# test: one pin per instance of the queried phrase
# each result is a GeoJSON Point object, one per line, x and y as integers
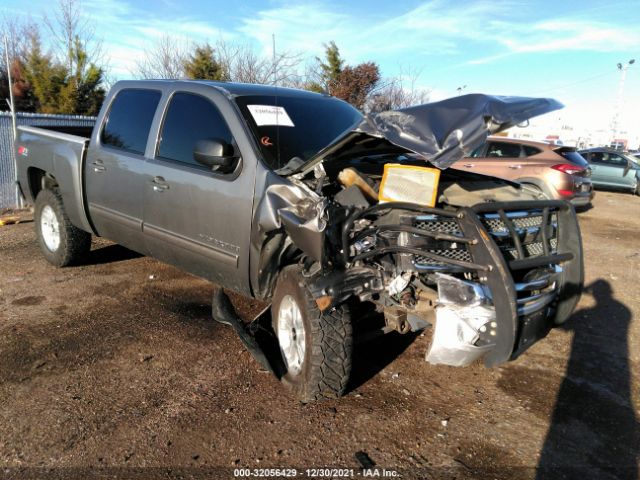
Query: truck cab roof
{"type": "Point", "coordinates": [230, 88]}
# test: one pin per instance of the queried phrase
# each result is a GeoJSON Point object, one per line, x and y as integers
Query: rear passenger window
{"type": "Point", "coordinates": [508, 150]}
{"type": "Point", "coordinates": [129, 120]}
{"type": "Point", "coordinates": [530, 151]}
{"type": "Point", "coordinates": [189, 119]}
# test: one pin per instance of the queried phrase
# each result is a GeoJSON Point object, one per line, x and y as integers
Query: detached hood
{"type": "Point", "coordinates": [441, 132]}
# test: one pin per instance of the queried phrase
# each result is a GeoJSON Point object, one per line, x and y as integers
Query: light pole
{"type": "Point", "coordinates": [460, 89]}
{"type": "Point", "coordinates": [616, 116]}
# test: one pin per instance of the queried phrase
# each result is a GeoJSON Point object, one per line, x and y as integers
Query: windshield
{"type": "Point", "coordinates": [288, 127]}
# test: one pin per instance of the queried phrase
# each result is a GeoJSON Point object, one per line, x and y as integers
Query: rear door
{"type": "Point", "coordinates": [195, 218]}
{"type": "Point", "coordinates": [115, 170]}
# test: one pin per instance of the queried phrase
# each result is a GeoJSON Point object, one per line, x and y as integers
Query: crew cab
{"type": "Point", "coordinates": [297, 199]}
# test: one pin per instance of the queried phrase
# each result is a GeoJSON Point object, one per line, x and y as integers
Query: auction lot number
{"type": "Point", "coordinates": [313, 473]}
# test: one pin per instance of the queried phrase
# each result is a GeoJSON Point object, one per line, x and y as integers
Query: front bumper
{"type": "Point", "coordinates": [522, 322]}
{"type": "Point", "coordinates": [526, 256]}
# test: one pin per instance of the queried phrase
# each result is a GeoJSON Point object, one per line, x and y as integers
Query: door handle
{"type": "Point", "coordinates": [515, 166]}
{"type": "Point", "coordinates": [469, 165]}
{"type": "Point", "coordinates": [98, 166]}
{"type": "Point", "coordinates": [159, 184]}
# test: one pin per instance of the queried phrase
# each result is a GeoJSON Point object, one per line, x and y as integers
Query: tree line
{"type": "Point", "coordinates": [68, 75]}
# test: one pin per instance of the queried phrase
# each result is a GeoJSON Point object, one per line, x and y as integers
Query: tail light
{"type": "Point", "coordinates": [568, 168]}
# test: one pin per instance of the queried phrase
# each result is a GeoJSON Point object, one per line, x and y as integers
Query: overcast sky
{"type": "Point", "coordinates": [566, 49]}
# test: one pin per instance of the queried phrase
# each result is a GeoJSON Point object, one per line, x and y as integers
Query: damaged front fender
{"type": "Point", "coordinates": [289, 217]}
{"type": "Point", "coordinates": [300, 211]}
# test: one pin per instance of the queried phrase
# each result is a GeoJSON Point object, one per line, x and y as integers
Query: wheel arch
{"type": "Point", "coordinates": [39, 179]}
{"type": "Point", "coordinates": [539, 183]}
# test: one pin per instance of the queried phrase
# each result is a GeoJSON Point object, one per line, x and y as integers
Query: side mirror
{"type": "Point", "coordinates": [216, 154]}
{"type": "Point", "coordinates": [627, 168]}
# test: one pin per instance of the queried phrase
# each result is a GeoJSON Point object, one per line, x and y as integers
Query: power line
{"type": "Point", "coordinates": [584, 80]}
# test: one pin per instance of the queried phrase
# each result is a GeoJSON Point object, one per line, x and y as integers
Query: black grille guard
{"type": "Point", "coordinates": [488, 260]}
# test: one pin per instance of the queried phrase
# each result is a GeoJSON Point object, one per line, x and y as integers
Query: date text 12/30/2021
{"type": "Point", "coordinates": [315, 473]}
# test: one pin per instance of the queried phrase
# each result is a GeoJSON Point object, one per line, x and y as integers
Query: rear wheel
{"type": "Point", "coordinates": [536, 190]}
{"type": "Point", "coordinates": [60, 241]}
{"type": "Point", "coordinates": [316, 347]}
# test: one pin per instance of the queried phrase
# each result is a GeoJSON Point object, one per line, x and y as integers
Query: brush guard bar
{"type": "Point", "coordinates": [490, 262]}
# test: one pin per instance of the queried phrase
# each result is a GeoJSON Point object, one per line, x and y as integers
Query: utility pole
{"type": "Point", "coordinates": [616, 116]}
{"type": "Point", "coordinates": [12, 107]}
{"type": "Point", "coordinates": [11, 102]}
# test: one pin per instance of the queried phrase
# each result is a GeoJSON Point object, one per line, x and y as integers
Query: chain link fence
{"type": "Point", "coordinates": [8, 192]}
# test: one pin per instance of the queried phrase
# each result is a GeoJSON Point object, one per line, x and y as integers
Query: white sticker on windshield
{"type": "Point", "coordinates": [270, 115]}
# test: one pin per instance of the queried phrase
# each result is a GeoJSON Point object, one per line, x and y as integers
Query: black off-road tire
{"type": "Point", "coordinates": [74, 243]}
{"type": "Point", "coordinates": [326, 367]}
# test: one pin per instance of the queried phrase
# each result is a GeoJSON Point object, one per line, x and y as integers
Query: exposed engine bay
{"type": "Point", "coordinates": [485, 262]}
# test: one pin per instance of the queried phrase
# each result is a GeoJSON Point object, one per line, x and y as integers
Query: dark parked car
{"type": "Point", "coordinates": [297, 199]}
{"type": "Point", "coordinates": [613, 169]}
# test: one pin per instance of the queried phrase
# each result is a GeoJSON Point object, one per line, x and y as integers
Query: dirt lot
{"type": "Point", "coordinates": [114, 368]}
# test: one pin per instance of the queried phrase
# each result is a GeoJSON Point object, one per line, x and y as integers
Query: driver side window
{"type": "Point", "coordinates": [189, 119]}
{"type": "Point", "coordinates": [617, 161]}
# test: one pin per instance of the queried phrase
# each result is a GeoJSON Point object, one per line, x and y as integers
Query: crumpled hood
{"type": "Point", "coordinates": [441, 132]}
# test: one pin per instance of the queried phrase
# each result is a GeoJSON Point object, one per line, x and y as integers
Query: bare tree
{"type": "Point", "coordinates": [307, 78]}
{"type": "Point", "coordinates": [245, 65]}
{"type": "Point", "coordinates": [70, 31]}
{"type": "Point", "coordinates": [18, 33]}
{"type": "Point", "coordinates": [398, 92]}
{"type": "Point", "coordinates": [165, 58]}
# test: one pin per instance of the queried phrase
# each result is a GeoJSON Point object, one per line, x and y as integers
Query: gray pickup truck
{"type": "Point", "coordinates": [340, 221]}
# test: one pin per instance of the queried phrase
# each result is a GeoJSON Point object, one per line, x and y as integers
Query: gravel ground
{"type": "Point", "coordinates": [114, 368]}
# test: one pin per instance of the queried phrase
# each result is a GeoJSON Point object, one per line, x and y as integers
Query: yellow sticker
{"type": "Point", "coordinates": [406, 183]}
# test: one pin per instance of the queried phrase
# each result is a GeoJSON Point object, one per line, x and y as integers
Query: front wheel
{"type": "Point", "coordinates": [316, 347]}
{"type": "Point", "coordinates": [61, 242]}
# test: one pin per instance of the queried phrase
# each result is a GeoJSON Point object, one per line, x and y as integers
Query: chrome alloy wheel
{"type": "Point", "coordinates": [291, 334]}
{"type": "Point", "coordinates": [50, 228]}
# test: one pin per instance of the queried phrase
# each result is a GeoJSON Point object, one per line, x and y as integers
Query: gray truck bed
{"type": "Point", "coordinates": [61, 155]}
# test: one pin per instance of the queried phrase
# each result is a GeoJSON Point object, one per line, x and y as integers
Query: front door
{"type": "Point", "coordinates": [196, 218]}
{"type": "Point", "coordinates": [608, 168]}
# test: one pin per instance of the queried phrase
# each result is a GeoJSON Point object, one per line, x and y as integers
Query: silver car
{"type": "Point", "coordinates": [613, 169]}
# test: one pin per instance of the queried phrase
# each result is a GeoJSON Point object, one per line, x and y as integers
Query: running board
{"type": "Point", "coordinates": [258, 336]}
